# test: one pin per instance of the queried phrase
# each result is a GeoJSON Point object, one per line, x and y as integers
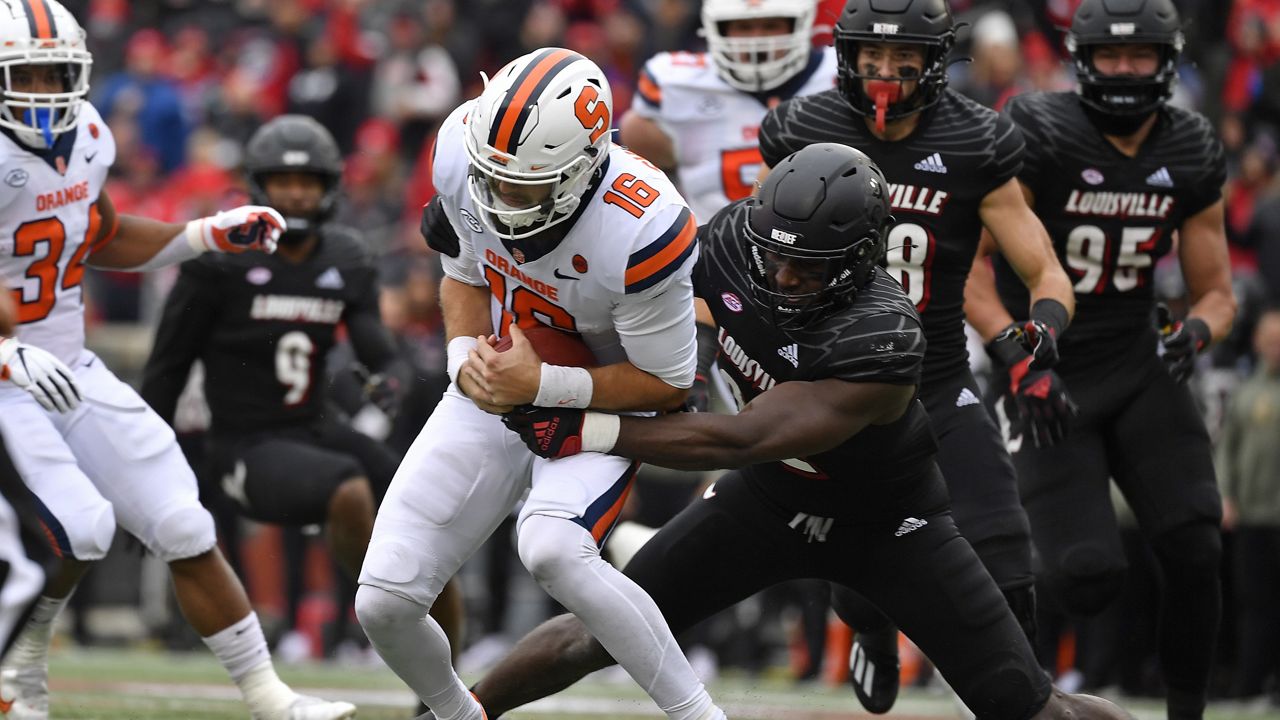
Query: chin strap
{"type": "Point", "coordinates": [885, 92]}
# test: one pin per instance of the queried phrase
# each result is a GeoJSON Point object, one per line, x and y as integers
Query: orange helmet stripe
{"type": "Point", "coordinates": [39, 19]}
{"type": "Point", "coordinates": [526, 87]}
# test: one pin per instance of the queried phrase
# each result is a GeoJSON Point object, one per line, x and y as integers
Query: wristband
{"type": "Point", "coordinates": [1052, 314]}
{"type": "Point", "coordinates": [600, 432]}
{"type": "Point", "coordinates": [457, 352]}
{"type": "Point", "coordinates": [1006, 348]}
{"type": "Point", "coordinates": [564, 387]}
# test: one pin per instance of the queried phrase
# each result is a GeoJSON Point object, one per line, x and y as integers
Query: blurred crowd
{"type": "Point", "coordinates": [183, 84]}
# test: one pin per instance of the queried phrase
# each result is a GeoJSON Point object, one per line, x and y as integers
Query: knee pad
{"type": "Point", "coordinates": [183, 533]}
{"type": "Point", "coordinates": [1087, 578]}
{"type": "Point", "coordinates": [1190, 553]}
{"type": "Point", "coordinates": [551, 547]}
{"type": "Point", "coordinates": [382, 612]}
{"type": "Point", "coordinates": [94, 541]}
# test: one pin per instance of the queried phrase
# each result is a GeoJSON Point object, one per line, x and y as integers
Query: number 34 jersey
{"type": "Point", "coordinates": [619, 275]}
{"type": "Point", "coordinates": [1111, 217]}
{"type": "Point", "coordinates": [48, 219]}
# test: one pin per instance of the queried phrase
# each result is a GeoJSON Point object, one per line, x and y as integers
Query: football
{"type": "Point", "coordinates": [556, 347]}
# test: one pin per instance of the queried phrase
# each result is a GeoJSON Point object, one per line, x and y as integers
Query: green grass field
{"type": "Point", "coordinates": [142, 685]}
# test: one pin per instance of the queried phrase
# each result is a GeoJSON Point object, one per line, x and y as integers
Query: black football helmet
{"type": "Point", "coordinates": [827, 203]}
{"type": "Point", "coordinates": [295, 143]}
{"type": "Point", "coordinates": [924, 22]}
{"type": "Point", "coordinates": [1122, 102]}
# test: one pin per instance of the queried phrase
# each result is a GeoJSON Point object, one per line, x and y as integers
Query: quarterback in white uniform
{"type": "Point", "coordinates": [541, 220]}
{"type": "Point", "coordinates": [91, 451]}
{"type": "Point", "coordinates": [698, 114]}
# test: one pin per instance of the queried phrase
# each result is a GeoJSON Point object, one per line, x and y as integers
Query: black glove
{"type": "Point", "coordinates": [1181, 341]}
{"type": "Point", "coordinates": [384, 392]}
{"type": "Point", "coordinates": [437, 229]}
{"type": "Point", "coordinates": [548, 432]}
{"type": "Point", "coordinates": [1040, 333]}
{"type": "Point", "coordinates": [1043, 404]}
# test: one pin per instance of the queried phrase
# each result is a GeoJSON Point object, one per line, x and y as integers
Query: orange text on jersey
{"type": "Point", "coordinates": [65, 196]}
{"type": "Point", "coordinates": [506, 267]}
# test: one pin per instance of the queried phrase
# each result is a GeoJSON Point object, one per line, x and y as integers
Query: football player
{"type": "Point", "coordinates": [698, 114]}
{"type": "Point", "coordinates": [837, 477]}
{"type": "Point", "coordinates": [539, 219]}
{"type": "Point", "coordinates": [91, 451]}
{"type": "Point", "coordinates": [262, 325]}
{"type": "Point", "coordinates": [1116, 174]}
{"type": "Point", "coordinates": [951, 163]}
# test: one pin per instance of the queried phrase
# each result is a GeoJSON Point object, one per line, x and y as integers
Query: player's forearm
{"type": "Point", "coordinates": [137, 241]}
{"type": "Point", "coordinates": [982, 306]}
{"type": "Point", "coordinates": [624, 387]}
{"type": "Point", "coordinates": [465, 309]}
{"type": "Point", "coordinates": [1217, 308]}
{"type": "Point", "coordinates": [688, 441]}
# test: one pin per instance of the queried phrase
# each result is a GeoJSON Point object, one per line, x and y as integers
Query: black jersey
{"type": "Point", "coordinates": [1111, 217]}
{"type": "Point", "coordinates": [938, 176]}
{"type": "Point", "coordinates": [877, 340]}
{"type": "Point", "coordinates": [263, 326]}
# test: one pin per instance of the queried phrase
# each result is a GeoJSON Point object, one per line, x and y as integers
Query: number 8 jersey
{"type": "Point", "coordinates": [619, 274]}
{"type": "Point", "coordinates": [48, 221]}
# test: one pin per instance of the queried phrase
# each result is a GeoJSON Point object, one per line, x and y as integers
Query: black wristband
{"type": "Point", "coordinates": [1052, 313]}
{"type": "Point", "coordinates": [708, 349]}
{"type": "Point", "coordinates": [1007, 348]}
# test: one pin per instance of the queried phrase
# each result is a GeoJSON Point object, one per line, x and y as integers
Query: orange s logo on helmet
{"type": "Point", "coordinates": [593, 114]}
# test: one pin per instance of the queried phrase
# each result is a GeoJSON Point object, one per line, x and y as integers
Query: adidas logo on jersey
{"type": "Point", "coordinates": [910, 525]}
{"type": "Point", "coordinates": [790, 353]}
{"type": "Point", "coordinates": [330, 279]}
{"type": "Point", "coordinates": [966, 398]}
{"type": "Point", "coordinates": [933, 163]}
{"type": "Point", "coordinates": [1160, 178]}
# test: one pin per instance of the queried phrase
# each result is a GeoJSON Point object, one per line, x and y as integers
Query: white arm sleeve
{"type": "Point", "coordinates": [657, 329]}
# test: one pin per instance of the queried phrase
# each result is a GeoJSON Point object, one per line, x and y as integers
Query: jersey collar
{"type": "Point", "coordinates": [61, 149]}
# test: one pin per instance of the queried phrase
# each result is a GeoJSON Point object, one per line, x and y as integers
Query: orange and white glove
{"type": "Point", "coordinates": [38, 372]}
{"type": "Point", "coordinates": [248, 227]}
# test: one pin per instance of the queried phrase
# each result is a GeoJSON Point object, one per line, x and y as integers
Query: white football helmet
{"type": "Point", "coordinates": [41, 32]}
{"type": "Point", "coordinates": [544, 119]}
{"type": "Point", "coordinates": [756, 64]}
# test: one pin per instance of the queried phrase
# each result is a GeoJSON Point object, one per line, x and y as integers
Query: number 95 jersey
{"type": "Point", "coordinates": [619, 275]}
{"type": "Point", "coordinates": [48, 220]}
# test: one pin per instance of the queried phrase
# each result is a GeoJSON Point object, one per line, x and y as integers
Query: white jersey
{"type": "Point", "coordinates": [713, 125]}
{"type": "Point", "coordinates": [48, 219]}
{"type": "Point", "coordinates": [620, 276]}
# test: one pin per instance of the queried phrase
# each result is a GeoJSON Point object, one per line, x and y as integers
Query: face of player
{"type": "Point", "coordinates": [294, 194]}
{"type": "Point", "coordinates": [891, 61]}
{"type": "Point", "coordinates": [41, 79]}
{"type": "Point", "coordinates": [795, 277]}
{"type": "Point", "coordinates": [759, 28]}
{"type": "Point", "coordinates": [1138, 60]}
{"type": "Point", "coordinates": [518, 196]}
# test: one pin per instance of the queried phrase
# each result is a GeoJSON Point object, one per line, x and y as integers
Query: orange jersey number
{"type": "Point", "coordinates": [631, 194]}
{"type": "Point", "coordinates": [49, 235]}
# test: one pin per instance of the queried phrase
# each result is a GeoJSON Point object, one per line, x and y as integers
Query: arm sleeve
{"type": "Point", "coordinates": [185, 323]}
{"type": "Point", "coordinates": [1032, 141]}
{"type": "Point", "coordinates": [464, 268]}
{"type": "Point", "coordinates": [884, 348]}
{"type": "Point", "coordinates": [773, 146]}
{"type": "Point", "coordinates": [657, 330]}
{"type": "Point", "coordinates": [647, 102]}
{"type": "Point", "coordinates": [1008, 153]}
{"type": "Point", "coordinates": [369, 337]}
{"type": "Point", "coordinates": [1207, 189]}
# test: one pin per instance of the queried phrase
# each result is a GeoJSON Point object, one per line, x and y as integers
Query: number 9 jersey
{"type": "Point", "coordinates": [619, 275]}
{"type": "Point", "coordinates": [49, 220]}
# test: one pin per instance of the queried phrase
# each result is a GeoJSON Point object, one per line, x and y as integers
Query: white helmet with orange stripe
{"type": "Point", "coordinates": [759, 57]}
{"type": "Point", "coordinates": [35, 33]}
{"type": "Point", "coordinates": [535, 137]}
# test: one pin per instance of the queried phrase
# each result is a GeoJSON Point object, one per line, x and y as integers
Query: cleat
{"type": "Point", "coordinates": [873, 669]}
{"type": "Point", "coordinates": [305, 707]}
{"type": "Point", "coordinates": [24, 693]}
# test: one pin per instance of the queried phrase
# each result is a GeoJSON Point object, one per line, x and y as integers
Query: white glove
{"type": "Point", "coordinates": [49, 381]}
{"type": "Point", "coordinates": [248, 227]}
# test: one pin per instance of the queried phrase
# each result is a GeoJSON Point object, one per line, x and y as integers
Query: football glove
{"type": "Point", "coordinates": [384, 392]}
{"type": "Point", "coordinates": [1041, 396]}
{"type": "Point", "coordinates": [437, 229]}
{"type": "Point", "coordinates": [548, 432]}
{"type": "Point", "coordinates": [248, 227]}
{"type": "Point", "coordinates": [37, 371]}
{"type": "Point", "coordinates": [1040, 333]}
{"type": "Point", "coordinates": [1180, 342]}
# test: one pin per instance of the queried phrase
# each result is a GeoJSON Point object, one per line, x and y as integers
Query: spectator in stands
{"type": "Point", "coordinates": [141, 91]}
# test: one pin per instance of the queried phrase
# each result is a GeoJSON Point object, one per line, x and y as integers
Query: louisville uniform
{"type": "Point", "coordinates": [112, 450]}
{"type": "Point", "coordinates": [620, 277]}
{"type": "Point", "coordinates": [938, 176]}
{"type": "Point", "coordinates": [262, 326]}
{"type": "Point", "coordinates": [713, 126]}
{"type": "Point", "coordinates": [870, 514]}
{"type": "Point", "coordinates": [1111, 218]}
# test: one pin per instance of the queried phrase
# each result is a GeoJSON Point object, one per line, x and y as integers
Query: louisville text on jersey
{"type": "Point", "coordinates": [749, 368]}
{"type": "Point", "coordinates": [911, 198]}
{"type": "Point", "coordinates": [1119, 204]}
{"type": "Point", "coordinates": [296, 308]}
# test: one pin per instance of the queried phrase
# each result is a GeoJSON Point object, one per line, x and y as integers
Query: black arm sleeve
{"type": "Point", "coordinates": [437, 229]}
{"type": "Point", "coordinates": [189, 314]}
{"type": "Point", "coordinates": [369, 337]}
